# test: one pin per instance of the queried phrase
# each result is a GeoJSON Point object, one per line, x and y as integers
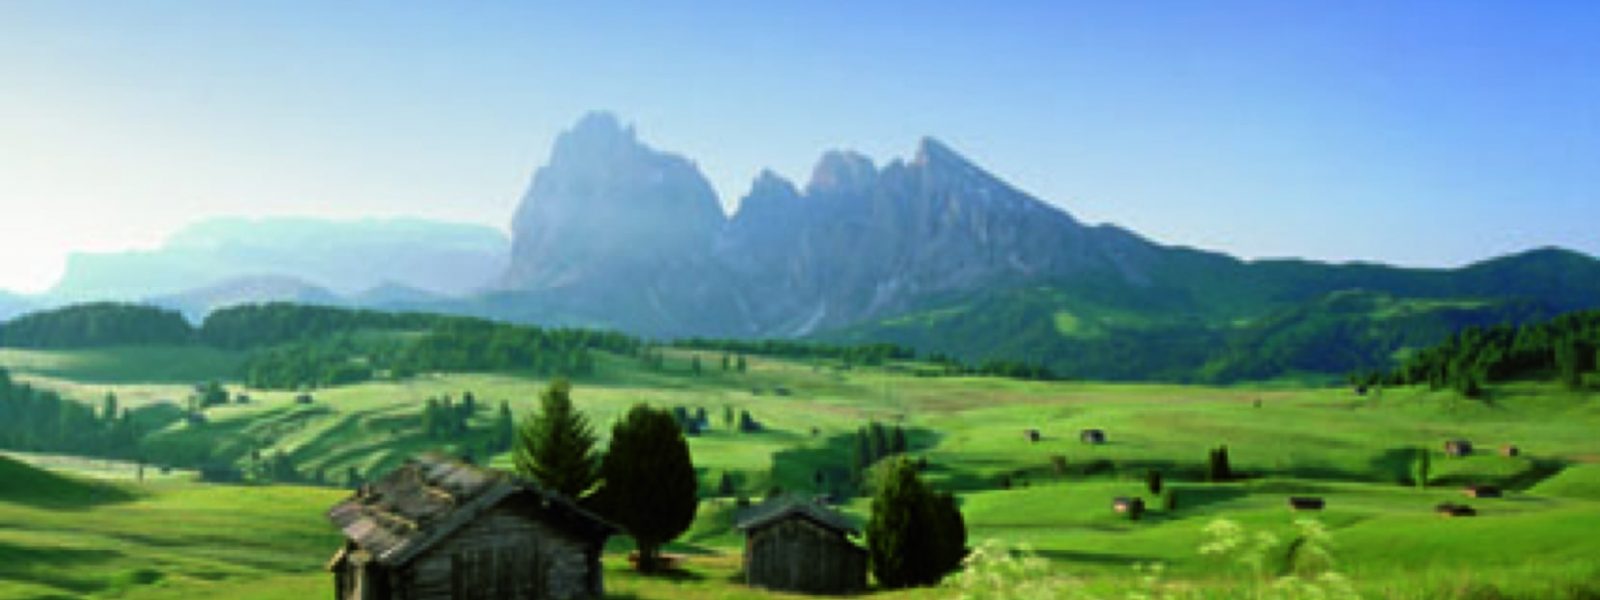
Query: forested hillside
{"type": "Point", "coordinates": [95, 325]}
{"type": "Point", "coordinates": [1566, 348]}
{"type": "Point", "coordinates": [41, 420]}
{"type": "Point", "coordinates": [293, 346]}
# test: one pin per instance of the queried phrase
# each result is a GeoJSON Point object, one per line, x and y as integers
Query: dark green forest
{"type": "Point", "coordinates": [1566, 348]}
{"type": "Point", "coordinates": [96, 325]}
{"type": "Point", "coordinates": [361, 345]}
{"type": "Point", "coordinates": [291, 346]}
{"type": "Point", "coordinates": [295, 346]}
{"type": "Point", "coordinates": [42, 421]}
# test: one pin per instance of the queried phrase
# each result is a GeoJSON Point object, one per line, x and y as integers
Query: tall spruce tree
{"type": "Point", "coordinates": [505, 428]}
{"type": "Point", "coordinates": [556, 446]}
{"type": "Point", "coordinates": [897, 441]}
{"type": "Point", "coordinates": [1420, 468]}
{"type": "Point", "coordinates": [650, 487]}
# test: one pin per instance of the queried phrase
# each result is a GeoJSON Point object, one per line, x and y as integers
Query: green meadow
{"type": "Point", "coordinates": [73, 528]}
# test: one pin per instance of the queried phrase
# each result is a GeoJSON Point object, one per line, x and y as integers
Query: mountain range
{"type": "Point", "coordinates": [937, 253]}
{"type": "Point", "coordinates": [231, 260]}
{"type": "Point", "coordinates": [931, 251]}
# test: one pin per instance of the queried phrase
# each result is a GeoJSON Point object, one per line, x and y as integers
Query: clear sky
{"type": "Point", "coordinates": [1420, 133]}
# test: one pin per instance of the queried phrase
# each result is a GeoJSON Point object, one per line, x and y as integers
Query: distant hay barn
{"type": "Point", "coordinates": [1482, 491]}
{"type": "Point", "coordinates": [1458, 448]}
{"type": "Point", "coordinates": [797, 546]}
{"type": "Point", "coordinates": [441, 528]}
{"type": "Point", "coordinates": [1450, 509]}
{"type": "Point", "coordinates": [1510, 451]}
{"type": "Point", "coordinates": [1306, 503]}
{"type": "Point", "coordinates": [1133, 507]}
{"type": "Point", "coordinates": [1031, 435]}
{"type": "Point", "coordinates": [1092, 436]}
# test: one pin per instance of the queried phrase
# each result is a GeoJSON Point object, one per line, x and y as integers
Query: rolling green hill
{"type": "Point", "coordinates": [1147, 339]}
{"type": "Point", "coordinates": [1353, 450]}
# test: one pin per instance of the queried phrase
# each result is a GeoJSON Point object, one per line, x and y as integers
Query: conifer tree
{"type": "Point", "coordinates": [556, 446]}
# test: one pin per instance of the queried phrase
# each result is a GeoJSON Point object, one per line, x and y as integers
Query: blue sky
{"type": "Point", "coordinates": [1420, 133]}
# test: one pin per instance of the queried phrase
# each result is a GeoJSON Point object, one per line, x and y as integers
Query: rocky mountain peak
{"type": "Point", "coordinates": [769, 183]}
{"type": "Point", "coordinates": [931, 151]}
{"type": "Point", "coordinates": [608, 204]}
{"type": "Point", "coordinates": [842, 171]}
{"type": "Point", "coordinates": [596, 135]}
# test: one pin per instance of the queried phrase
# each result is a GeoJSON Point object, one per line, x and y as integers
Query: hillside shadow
{"type": "Point", "coordinates": [795, 468]}
{"type": "Point", "coordinates": [40, 488]}
{"type": "Point", "coordinates": [1098, 558]}
{"type": "Point", "coordinates": [1537, 473]}
{"type": "Point", "coordinates": [1397, 461]}
{"type": "Point", "coordinates": [52, 566]}
{"type": "Point", "coordinates": [1193, 497]}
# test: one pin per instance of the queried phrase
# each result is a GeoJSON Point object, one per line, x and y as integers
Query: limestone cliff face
{"type": "Point", "coordinates": [635, 238]}
{"type": "Point", "coordinates": [608, 205]}
{"type": "Point", "coordinates": [864, 242]}
{"type": "Point", "coordinates": [614, 233]}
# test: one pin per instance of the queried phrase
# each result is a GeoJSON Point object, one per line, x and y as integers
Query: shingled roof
{"type": "Point", "coordinates": [777, 510]}
{"type": "Point", "coordinates": [429, 497]}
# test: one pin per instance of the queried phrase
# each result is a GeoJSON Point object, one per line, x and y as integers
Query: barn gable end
{"type": "Point", "coordinates": [798, 546]}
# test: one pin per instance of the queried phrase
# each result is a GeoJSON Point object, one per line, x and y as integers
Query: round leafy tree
{"type": "Point", "coordinates": [914, 536]}
{"type": "Point", "coordinates": [649, 485]}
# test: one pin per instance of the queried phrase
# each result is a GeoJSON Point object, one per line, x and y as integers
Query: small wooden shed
{"type": "Point", "coordinates": [1457, 448]}
{"type": "Point", "coordinates": [1510, 451]}
{"type": "Point", "coordinates": [1450, 509]}
{"type": "Point", "coordinates": [799, 546]}
{"type": "Point", "coordinates": [1306, 503]}
{"type": "Point", "coordinates": [1481, 491]}
{"type": "Point", "coordinates": [440, 528]}
{"type": "Point", "coordinates": [1031, 435]}
{"type": "Point", "coordinates": [1092, 436]}
{"type": "Point", "coordinates": [1133, 507]}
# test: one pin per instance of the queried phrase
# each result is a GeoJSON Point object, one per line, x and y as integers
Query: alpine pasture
{"type": "Point", "coordinates": [87, 528]}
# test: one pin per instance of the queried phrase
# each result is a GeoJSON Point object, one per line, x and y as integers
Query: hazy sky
{"type": "Point", "coordinates": [1430, 133]}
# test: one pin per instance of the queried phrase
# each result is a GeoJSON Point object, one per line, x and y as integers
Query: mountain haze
{"type": "Point", "coordinates": [344, 257]}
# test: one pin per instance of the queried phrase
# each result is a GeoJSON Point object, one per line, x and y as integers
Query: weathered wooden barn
{"type": "Point", "coordinates": [1458, 448]}
{"type": "Point", "coordinates": [1092, 436]}
{"type": "Point", "coordinates": [1481, 491]}
{"type": "Point", "coordinates": [798, 546]}
{"type": "Point", "coordinates": [441, 528]}
{"type": "Point", "coordinates": [1510, 451]}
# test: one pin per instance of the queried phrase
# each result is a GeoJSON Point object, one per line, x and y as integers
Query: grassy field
{"type": "Point", "coordinates": [172, 538]}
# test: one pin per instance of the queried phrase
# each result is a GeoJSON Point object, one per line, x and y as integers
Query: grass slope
{"type": "Point", "coordinates": [171, 539]}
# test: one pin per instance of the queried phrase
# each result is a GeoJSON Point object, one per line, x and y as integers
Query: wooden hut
{"type": "Point", "coordinates": [1306, 503]}
{"type": "Point", "coordinates": [1510, 451]}
{"type": "Point", "coordinates": [1031, 435]}
{"type": "Point", "coordinates": [438, 527]}
{"type": "Point", "coordinates": [1092, 436]}
{"type": "Point", "coordinates": [798, 546]}
{"type": "Point", "coordinates": [1133, 507]}
{"type": "Point", "coordinates": [1451, 509]}
{"type": "Point", "coordinates": [1481, 491]}
{"type": "Point", "coordinates": [1457, 448]}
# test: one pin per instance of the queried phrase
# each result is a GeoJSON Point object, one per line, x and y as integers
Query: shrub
{"type": "Point", "coordinates": [914, 536]}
